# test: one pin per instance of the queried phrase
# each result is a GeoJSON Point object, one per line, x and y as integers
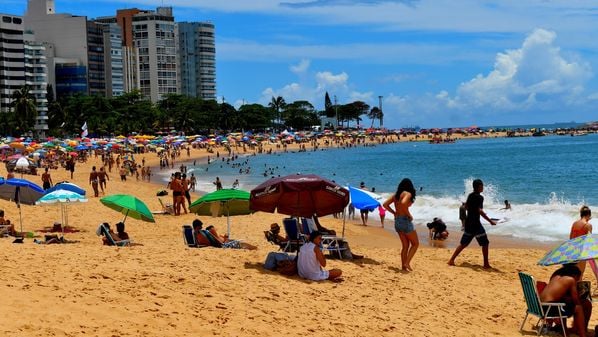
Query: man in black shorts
{"type": "Point", "coordinates": [473, 226]}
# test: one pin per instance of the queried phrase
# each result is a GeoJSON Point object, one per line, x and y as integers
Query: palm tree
{"type": "Point", "coordinates": [278, 104]}
{"type": "Point", "coordinates": [24, 108]}
{"type": "Point", "coordinates": [374, 114]}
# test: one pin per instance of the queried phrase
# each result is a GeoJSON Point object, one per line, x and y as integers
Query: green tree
{"type": "Point", "coordinates": [24, 109]}
{"type": "Point", "coordinates": [375, 114]}
{"type": "Point", "coordinates": [328, 107]}
{"type": "Point", "coordinates": [255, 116]}
{"type": "Point", "coordinates": [300, 115]}
{"type": "Point", "coordinates": [277, 104]}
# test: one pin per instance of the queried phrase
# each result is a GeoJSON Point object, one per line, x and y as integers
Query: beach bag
{"type": "Point", "coordinates": [287, 267]}
{"type": "Point", "coordinates": [162, 193]}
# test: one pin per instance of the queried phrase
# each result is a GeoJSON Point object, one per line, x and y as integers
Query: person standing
{"type": "Point", "coordinates": [192, 182]}
{"type": "Point", "coordinates": [583, 227]}
{"type": "Point", "coordinates": [402, 200]}
{"type": "Point", "coordinates": [102, 177]}
{"type": "Point", "coordinates": [218, 184]}
{"type": "Point", "coordinates": [46, 179]}
{"type": "Point", "coordinates": [364, 212]}
{"type": "Point", "coordinates": [462, 215]}
{"type": "Point", "coordinates": [473, 226]}
{"type": "Point", "coordinates": [93, 180]}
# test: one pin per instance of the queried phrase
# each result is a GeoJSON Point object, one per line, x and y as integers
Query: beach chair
{"type": "Point", "coordinates": [166, 209]}
{"type": "Point", "coordinates": [295, 239]}
{"type": "Point", "coordinates": [111, 242]}
{"type": "Point", "coordinates": [330, 243]}
{"type": "Point", "coordinates": [189, 237]}
{"type": "Point", "coordinates": [536, 307]}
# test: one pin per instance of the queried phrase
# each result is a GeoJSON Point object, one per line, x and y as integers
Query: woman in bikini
{"type": "Point", "coordinates": [402, 200]}
{"type": "Point", "coordinates": [583, 227]}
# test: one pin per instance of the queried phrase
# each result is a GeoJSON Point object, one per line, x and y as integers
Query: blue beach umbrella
{"type": "Point", "coordinates": [362, 199]}
{"type": "Point", "coordinates": [66, 186]}
{"type": "Point", "coordinates": [581, 248]}
{"type": "Point", "coordinates": [62, 198]}
{"type": "Point", "coordinates": [20, 191]}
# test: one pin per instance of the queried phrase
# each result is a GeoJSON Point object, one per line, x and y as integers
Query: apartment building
{"type": "Point", "coordinates": [12, 56]}
{"type": "Point", "coordinates": [197, 59]}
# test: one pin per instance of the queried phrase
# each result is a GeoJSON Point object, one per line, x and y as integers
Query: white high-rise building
{"type": "Point", "coordinates": [154, 36]}
{"type": "Point", "coordinates": [36, 77]}
{"type": "Point", "coordinates": [12, 57]}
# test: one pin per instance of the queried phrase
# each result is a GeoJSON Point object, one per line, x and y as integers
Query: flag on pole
{"type": "Point", "coordinates": [84, 128]}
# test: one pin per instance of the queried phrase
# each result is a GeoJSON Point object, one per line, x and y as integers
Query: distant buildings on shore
{"type": "Point", "coordinates": [136, 49]}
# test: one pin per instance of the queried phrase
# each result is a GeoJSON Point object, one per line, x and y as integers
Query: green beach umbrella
{"type": "Point", "coordinates": [223, 202]}
{"type": "Point", "coordinates": [129, 206]}
{"type": "Point", "coordinates": [581, 248]}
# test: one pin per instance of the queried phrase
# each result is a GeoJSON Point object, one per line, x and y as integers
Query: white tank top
{"type": "Point", "coordinates": [308, 265]}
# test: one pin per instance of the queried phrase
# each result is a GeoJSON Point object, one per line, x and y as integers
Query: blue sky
{"type": "Point", "coordinates": [436, 63]}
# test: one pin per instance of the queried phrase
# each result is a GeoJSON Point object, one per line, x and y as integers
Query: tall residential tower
{"type": "Point", "coordinates": [197, 59]}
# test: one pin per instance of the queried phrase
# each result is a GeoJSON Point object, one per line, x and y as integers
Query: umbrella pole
{"type": "Point", "coordinates": [126, 216]}
{"type": "Point", "coordinates": [344, 219]}
{"type": "Point", "coordinates": [227, 221]}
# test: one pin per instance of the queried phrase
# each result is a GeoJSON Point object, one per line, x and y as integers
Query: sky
{"type": "Point", "coordinates": [440, 63]}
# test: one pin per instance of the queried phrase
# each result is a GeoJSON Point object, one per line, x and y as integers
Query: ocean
{"type": "Point", "coordinates": [546, 179]}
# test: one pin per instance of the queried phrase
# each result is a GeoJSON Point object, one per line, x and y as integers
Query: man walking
{"type": "Point", "coordinates": [473, 226]}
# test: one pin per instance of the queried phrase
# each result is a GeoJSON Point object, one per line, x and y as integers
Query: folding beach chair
{"type": "Point", "coordinates": [296, 240]}
{"type": "Point", "coordinates": [111, 242]}
{"type": "Point", "coordinates": [189, 237]}
{"type": "Point", "coordinates": [537, 308]}
{"type": "Point", "coordinates": [166, 209]}
{"type": "Point", "coordinates": [331, 243]}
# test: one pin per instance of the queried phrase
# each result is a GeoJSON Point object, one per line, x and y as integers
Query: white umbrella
{"type": "Point", "coordinates": [23, 164]}
{"type": "Point", "coordinates": [62, 198]}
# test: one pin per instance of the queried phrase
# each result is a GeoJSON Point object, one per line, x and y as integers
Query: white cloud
{"type": "Point", "coordinates": [314, 88]}
{"type": "Point", "coordinates": [533, 77]}
{"type": "Point", "coordinates": [301, 67]}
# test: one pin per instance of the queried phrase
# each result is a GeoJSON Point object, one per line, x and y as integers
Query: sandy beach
{"type": "Point", "coordinates": [163, 288]}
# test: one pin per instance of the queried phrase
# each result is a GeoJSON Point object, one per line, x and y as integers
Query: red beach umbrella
{"type": "Point", "coordinates": [299, 195]}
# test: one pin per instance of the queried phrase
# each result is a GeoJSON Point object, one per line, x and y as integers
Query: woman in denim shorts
{"type": "Point", "coordinates": [402, 200]}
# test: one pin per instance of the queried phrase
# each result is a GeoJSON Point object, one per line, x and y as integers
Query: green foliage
{"type": "Point", "coordinates": [24, 110]}
{"type": "Point", "coordinates": [132, 113]}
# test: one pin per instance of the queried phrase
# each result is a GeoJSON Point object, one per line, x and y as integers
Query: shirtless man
{"type": "Point", "coordinates": [103, 176]}
{"type": "Point", "coordinates": [93, 180]}
{"type": "Point", "coordinates": [562, 287]}
{"type": "Point", "coordinates": [46, 179]}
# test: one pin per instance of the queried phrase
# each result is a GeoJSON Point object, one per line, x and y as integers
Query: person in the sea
{"type": "Point", "coordinates": [473, 225]}
{"type": "Point", "coordinates": [582, 227]}
{"type": "Point", "coordinates": [562, 288]}
{"type": "Point", "coordinates": [507, 205]}
{"type": "Point", "coordinates": [311, 261]}
{"type": "Point", "coordinates": [402, 200]}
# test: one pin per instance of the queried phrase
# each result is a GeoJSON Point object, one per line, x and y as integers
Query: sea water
{"type": "Point", "coordinates": [546, 179]}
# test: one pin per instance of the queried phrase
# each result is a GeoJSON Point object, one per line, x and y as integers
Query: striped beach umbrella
{"type": "Point", "coordinates": [581, 248]}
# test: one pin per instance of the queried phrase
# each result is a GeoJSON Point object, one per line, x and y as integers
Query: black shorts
{"type": "Point", "coordinates": [177, 193]}
{"type": "Point", "coordinates": [479, 235]}
{"type": "Point", "coordinates": [566, 311]}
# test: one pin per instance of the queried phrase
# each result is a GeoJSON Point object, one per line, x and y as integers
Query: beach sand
{"type": "Point", "coordinates": [163, 288]}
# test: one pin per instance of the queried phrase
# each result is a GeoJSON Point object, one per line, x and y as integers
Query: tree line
{"type": "Point", "coordinates": [130, 112]}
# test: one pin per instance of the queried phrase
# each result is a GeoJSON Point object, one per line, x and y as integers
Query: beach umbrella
{"type": "Point", "coordinates": [129, 206]}
{"type": "Point", "coordinates": [362, 199]}
{"type": "Point", "coordinates": [299, 195]}
{"type": "Point", "coordinates": [62, 198]}
{"type": "Point", "coordinates": [227, 202]}
{"type": "Point", "coordinates": [23, 165]}
{"type": "Point", "coordinates": [66, 186]}
{"type": "Point", "coordinates": [20, 191]}
{"type": "Point", "coordinates": [581, 248]}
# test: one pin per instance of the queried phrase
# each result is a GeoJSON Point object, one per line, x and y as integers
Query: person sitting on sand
{"type": "Point", "coordinates": [120, 231]}
{"type": "Point", "coordinates": [437, 229]}
{"type": "Point", "coordinates": [311, 261]}
{"type": "Point", "coordinates": [562, 287]}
